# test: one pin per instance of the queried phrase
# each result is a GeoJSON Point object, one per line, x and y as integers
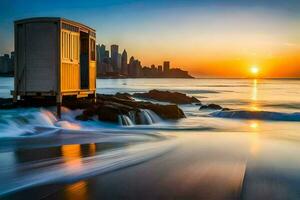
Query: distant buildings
{"type": "Point", "coordinates": [114, 50]}
{"type": "Point", "coordinates": [137, 68]}
{"type": "Point", "coordinates": [124, 65]}
{"type": "Point", "coordinates": [159, 69]}
{"type": "Point", "coordinates": [166, 66]}
{"type": "Point", "coordinates": [117, 65]}
{"type": "Point", "coordinates": [131, 67]}
{"type": "Point", "coordinates": [107, 63]}
{"type": "Point", "coordinates": [153, 72]}
{"type": "Point", "coordinates": [7, 64]}
{"type": "Point", "coordinates": [114, 65]}
{"type": "Point", "coordinates": [101, 55]}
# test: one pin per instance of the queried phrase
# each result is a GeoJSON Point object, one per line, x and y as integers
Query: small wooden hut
{"type": "Point", "coordinates": [54, 57]}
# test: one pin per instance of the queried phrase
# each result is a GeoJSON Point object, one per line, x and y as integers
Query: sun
{"type": "Point", "coordinates": [254, 70]}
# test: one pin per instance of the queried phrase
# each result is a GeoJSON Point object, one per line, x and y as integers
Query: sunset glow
{"type": "Point", "coordinates": [207, 38]}
{"type": "Point", "coordinates": [254, 125]}
{"type": "Point", "coordinates": [139, 99]}
{"type": "Point", "coordinates": [254, 70]}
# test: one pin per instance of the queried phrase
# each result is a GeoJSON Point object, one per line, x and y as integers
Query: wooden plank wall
{"type": "Point", "coordinates": [20, 45]}
{"type": "Point", "coordinates": [70, 69]}
{"type": "Point", "coordinates": [36, 54]}
{"type": "Point", "coordinates": [92, 64]}
{"type": "Point", "coordinates": [41, 57]}
{"type": "Point", "coordinates": [69, 77]}
{"type": "Point", "coordinates": [92, 74]}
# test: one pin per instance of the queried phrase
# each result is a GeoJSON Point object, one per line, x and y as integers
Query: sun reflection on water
{"type": "Point", "coordinates": [92, 149]}
{"type": "Point", "coordinates": [254, 90]}
{"type": "Point", "coordinates": [254, 125]}
{"type": "Point", "coordinates": [254, 96]}
{"type": "Point", "coordinates": [254, 107]}
{"type": "Point", "coordinates": [77, 190]}
{"type": "Point", "coordinates": [255, 145]}
{"type": "Point", "coordinates": [72, 155]}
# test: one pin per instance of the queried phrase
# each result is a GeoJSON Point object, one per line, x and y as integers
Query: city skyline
{"type": "Point", "coordinates": [114, 64]}
{"type": "Point", "coordinates": [208, 38]}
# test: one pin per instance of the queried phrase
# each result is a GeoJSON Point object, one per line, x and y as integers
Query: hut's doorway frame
{"type": "Point", "coordinates": [84, 60]}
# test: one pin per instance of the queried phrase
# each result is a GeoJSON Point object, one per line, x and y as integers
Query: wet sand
{"type": "Point", "coordinates": [200, 166]}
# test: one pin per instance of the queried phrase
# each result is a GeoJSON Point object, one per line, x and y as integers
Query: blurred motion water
{"type": "Point", "coordinates": [248, 152]}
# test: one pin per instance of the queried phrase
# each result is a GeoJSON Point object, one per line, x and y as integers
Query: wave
{"type": "Point", "coordinates": [36, 121]}
{"type": "Point", "coordinates": [291, 105]}
{"type": "Point", "coordinates": [24, 121]}
{"type": "Point", "coordinates": [259, 115]}
{"type": "Point", "coordinates": [61, 170]}
{"type": "Point", "coordinates": [144, 116]}
{"type": "Point", "coordinates": [30, 121]}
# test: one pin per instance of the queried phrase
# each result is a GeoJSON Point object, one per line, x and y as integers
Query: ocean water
{"type": "Point", "coordinates": [248, 152]}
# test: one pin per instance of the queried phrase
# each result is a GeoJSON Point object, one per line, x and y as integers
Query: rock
{"type": "Point", "coordinates": [83, 117]}
{"type": "Point", "coordinates": [81, 103]}
{"type": "Point", "coordinates": [166, 111]}
{"type": "Point", "coordinates": [211, 106]}
{"type": "Point", "coordinates": [125, 96]}
{"type": "Point", "coordinates": [108, 108]}
{"type": "Point", "coordinates": [6, 103]}
{"type": "Point", "coordinates": [109, 113]}
{"type": "Point", "coordinates": [225, 109]}
{"type": "Point", "coordinates": [166, 96]}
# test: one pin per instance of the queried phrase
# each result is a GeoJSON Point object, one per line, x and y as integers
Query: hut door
{"type": "Point", "coordinates": [84, 60]}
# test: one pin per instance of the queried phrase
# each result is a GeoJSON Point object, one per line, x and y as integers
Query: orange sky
{"type": "Point", "coordinates": [213, 38]}
{"type": "Point", "coordinates": [218, 42]}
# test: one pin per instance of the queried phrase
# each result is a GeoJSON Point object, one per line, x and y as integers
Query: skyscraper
{"type": "Point", "coordinates": [106, 54]}
{"type": "Point", "coordinates": [137, 68]}
{"type": "Point", "coordinates": [114, 57]}
{"type": "Point", "coordinates": [5, 64]}
{"type": "Point", "coordinates": [98, 65]}
{"type": "Point", "coordinates": [119, 62]}
{"type": "Point", "coordinates": [12, 61]}
{"type": "Point", "coordinates": [131, 66]}
{"type": "Point", "coordinates": [107, 62]}
{"type": "Point", "coordinates": [101, 69]}
{"type": "Point", "coordinates": [166, 66]}
{"type": "Point", "coordinates": [159, 68]}
{"type": "Point", "coordinates": [124, 65]}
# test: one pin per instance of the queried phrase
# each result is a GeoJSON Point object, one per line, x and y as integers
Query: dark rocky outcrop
{"type": "Point", "coordinates": [211, 106]}
{"type": "Point", "coordinates": [109, 107]}
{"type": "Point", "coordinates": [105, 108]}
{"type": "Point", "coordinates": [6, 103]}
{"type": "Point", "coordinates": [166, 96]}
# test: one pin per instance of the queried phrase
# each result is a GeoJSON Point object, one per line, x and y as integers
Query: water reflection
{"type": "Point", "coordinates": [77, 190]}
{"type": "Point", "coordinates": [72, 154]}
{"type": "Point", "coordinates": [254, 96]}
{"type": "Point", "coordinates": [254, 90]}
{"type": "Point", "coordinates": [92, 149]}
{"type": "Point", "coordinates": [255, 143]}
{"type": "Point", "coordinates": [254, 125]}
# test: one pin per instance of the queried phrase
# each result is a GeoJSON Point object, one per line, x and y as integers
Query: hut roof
{"type": "Point", "coordinates": [54, 19]}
